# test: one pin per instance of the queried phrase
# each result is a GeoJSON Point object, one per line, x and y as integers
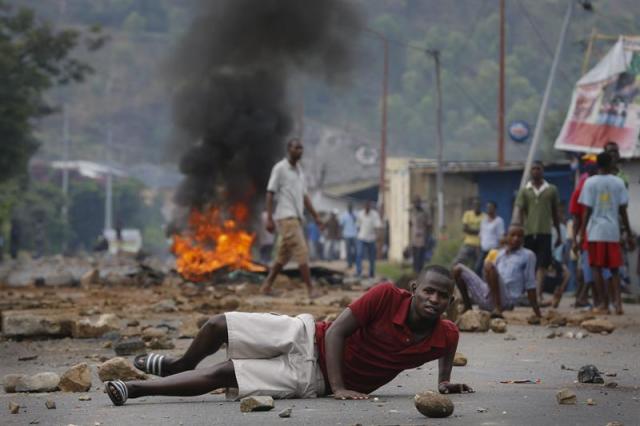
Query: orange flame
{"type": "Point", "coordinates": [212, 242]}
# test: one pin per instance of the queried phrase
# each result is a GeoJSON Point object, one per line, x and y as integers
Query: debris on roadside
{"type": "Point", "coordinates": [566, 397]}
{"type": "Point", "coordinates": [590, 374]}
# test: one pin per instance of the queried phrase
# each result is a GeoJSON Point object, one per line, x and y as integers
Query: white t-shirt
{"type": "Point", "coordinates": [287, 182]}
{"type": "Point", "coordinates": [490, 233]}
{"type": "Point", "coordinates": [367, 225]}
{"type": "Point", "coordinates": [604, 194]}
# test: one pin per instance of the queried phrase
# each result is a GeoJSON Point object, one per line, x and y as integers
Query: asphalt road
{"type": "Point", "coordinates": [491, 359]}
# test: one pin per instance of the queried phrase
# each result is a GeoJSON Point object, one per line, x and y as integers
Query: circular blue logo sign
{"type": "Point", "coordinates": [519, 131]}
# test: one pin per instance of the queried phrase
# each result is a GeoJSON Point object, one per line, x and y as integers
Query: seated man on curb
{"type": "Point", "coordinates": [508, 277]}
{"type": "Point", "coordinates": [382, 333]}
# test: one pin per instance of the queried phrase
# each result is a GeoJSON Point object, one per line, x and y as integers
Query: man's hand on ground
{"type": "Point", "coordinates": [454, 388]}
{"type": "Point", "coordinates": [348, 394]}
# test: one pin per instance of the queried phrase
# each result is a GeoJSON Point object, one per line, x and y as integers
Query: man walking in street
{"type": "Point", "coordinates": [348, 223]}
{"type": "Point", "coordinates": [605, 197]}
{"type": "Point", "coordinates": [287, 185]}
{"type": "Point", "coordinates": [538, 203]}
{"type": "Point", "coordinates": [420, 229]}
{"type": "Point", "coordinates": [368, 224]}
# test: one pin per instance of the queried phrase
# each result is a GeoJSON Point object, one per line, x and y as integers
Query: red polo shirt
{"type": "Point", "coordinates": [382, 347]}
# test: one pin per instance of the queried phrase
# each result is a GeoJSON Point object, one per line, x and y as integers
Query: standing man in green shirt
{"type": "Point", "coordinates": [538, 203]}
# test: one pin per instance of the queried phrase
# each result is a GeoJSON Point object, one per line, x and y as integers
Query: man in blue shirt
{"type": "Point", "coordinates": [348, 223]}
{"type": "Point", "coordinates": [508, 278]}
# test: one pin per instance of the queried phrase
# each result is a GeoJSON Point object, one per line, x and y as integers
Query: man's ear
{"type": "Point", "coordinates": [413, 285]}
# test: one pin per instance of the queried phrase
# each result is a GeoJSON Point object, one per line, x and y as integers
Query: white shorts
{"type": "Point", "coordinates": [274, 355]}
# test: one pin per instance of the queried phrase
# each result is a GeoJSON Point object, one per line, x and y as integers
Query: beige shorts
{"type": "Point", "coordinates": [291, 242]}
{"type": "Point", "coordinates": [274, 355]}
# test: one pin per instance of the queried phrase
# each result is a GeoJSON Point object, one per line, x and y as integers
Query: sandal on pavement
{"type": "Point", "coordinates": [117, 391]}
{"type": "Point", "coordinates": [151, 364]}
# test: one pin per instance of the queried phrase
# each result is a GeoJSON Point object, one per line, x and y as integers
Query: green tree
{"type": "Point", "coordinates": [33, 58]}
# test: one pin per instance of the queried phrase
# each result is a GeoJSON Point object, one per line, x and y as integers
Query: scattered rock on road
{"type": "Point", "coordinates": [14, 408]}
{"type": "Point", "coordinates": [133, 346]}
{"type": "Point", "coordinates": [589, 374]}
{"type": "Point", "coordinates": [256, 403]}
{"type": "Point", "coordinates": [87, 328]}
{"type": "Point", "coordinates": [498, 325]}
{"type": "Point", "coordinates": [476, 321]}
{"type": "Point", "coordinates": [615, 424]}
{"type": "Point", "coordinates": [119, 368]}
{"type": "Point", "coordinates": [76, 379]}
{"type": "Point", "coordinates": [598, 326]}
{"type": "Point", "coordinates": [10, 381]}
{"type": "Point", "coordinates": [41, 382]}
{"type": "Point", "coordinates": [432, 404]}
{"type": "Point", "coordinates": [286, 413]}
{"type": "Point", "coordinates": [51, 405]}
{"type": "Point", "coordinates": [27, 323]}
{"type": "Point", "coordinates": [566, 397]}
{"type": "Point", "coordinates": [591, 402]}
{"type": "Point", "coordinates": [165, 306]}
{"type": "Point", "coordinates": [459, 360]}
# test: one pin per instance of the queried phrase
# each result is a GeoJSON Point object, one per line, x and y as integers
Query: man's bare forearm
{"type": "Point", "coordinates": [445, 365]}
{"type": "Point", "coordinates": [269, 204]}
{"type": "Point", "coordinates": [533, 300]}
{"type": "Point", "coordinates": [334, 344]}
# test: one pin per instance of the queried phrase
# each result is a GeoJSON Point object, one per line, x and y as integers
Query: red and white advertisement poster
{"type": "Point", "coordinates": [605, 105]}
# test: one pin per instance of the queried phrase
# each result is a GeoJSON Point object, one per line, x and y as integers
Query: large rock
{"type": "Point", "coordinates": [229, 303]}
{"type": "Point", "coordinates": [590, 374]}
{"type": "Point", "coordinates": [76, 379]}
{"type": "Point", "coordinates": [41, 382]}
{"type": "Point", "coordinates": [498, 325]}
{"type": "Point", "coordinates": [459, 360]}
{"type": "Point", "coordinates": [256, 403]}
{"type": "Point", "coordinates": [90, 328]}
{"type": "Point", "coordinates": [32, 324]}
{"type": "Point", "coordinates": [566, 397]}
{"type": "Point", "coordinates": [154, 333]}
{"type": "Point", "coordinates": [119, 368]}
{"type": "Point", "coordinates": [598, 326]}
{"type": "Point", "coordinates": [555, 318]}
{"type": "Point", "coordinates": [165, 306]}
{"type": "Point", "coordinates": [132, 346]}
{"type": "Point", "coordinates": [10, 381]}
{"type": "Point", "coordinates": [432, 404]}
{"type": "Point", "coordinates": [477, 321]}
{"type": "Point", "coordinates": [579, 317]}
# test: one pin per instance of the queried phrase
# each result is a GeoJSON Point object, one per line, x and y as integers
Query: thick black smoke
{"type": "Point", "coordinates": [231, 74]}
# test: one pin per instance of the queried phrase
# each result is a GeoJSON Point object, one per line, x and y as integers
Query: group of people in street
{"type": "Point", "coordinates": [497, 271]}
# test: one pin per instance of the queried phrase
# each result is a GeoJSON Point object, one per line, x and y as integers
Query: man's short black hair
{"type": "Point", "coordinates": [436, 269]}
{"type": "Point", "coordinates": [493, 203]}
{"type": "Point", "coordinates": [538, 163]}
{"type": "Point", "coordinates": [612, 144]}
{"type": "Point", "coordinates": [292, 141]}
{"type": "Point", "coordinates": [604, 160]}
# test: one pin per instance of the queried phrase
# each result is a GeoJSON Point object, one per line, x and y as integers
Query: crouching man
{"type": "Point", "coordinates": [509, 276]}
{"type": "Point", "coordinates": [379, 335]}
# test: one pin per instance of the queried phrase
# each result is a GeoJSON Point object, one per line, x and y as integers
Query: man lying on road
{"type": "Point", "coordinates": [385, 331]}
{"type": "Point", "coordinates": [508, 278]}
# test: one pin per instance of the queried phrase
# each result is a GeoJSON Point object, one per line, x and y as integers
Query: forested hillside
{"type": "Point", "coordinates": [129, 90]}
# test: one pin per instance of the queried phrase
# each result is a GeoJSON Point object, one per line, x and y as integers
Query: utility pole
{"type": "Point", "coordinates": [108, 199]}
{"type": "Point", "coordinates": [501, 126]}
{"type": "Point", "coordinates": [383, 129]}
{"type": "Point", "coordinates": [65, 156]}
{"type": "Point", "coordinates": [435, 54]}
{"type": "Point", "coordinates": [383, 121]}
{"type": "Point", "coordinates": [537, 132]}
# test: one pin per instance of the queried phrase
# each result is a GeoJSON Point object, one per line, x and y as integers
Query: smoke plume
{"type": "Point", "coordinates": [231, 75]}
